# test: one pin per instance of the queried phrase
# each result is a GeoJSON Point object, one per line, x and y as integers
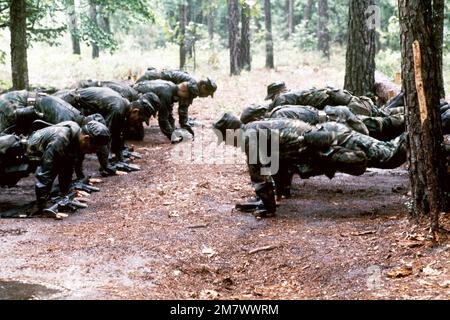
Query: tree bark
{"type": "Point", "coordinates": [93, 17]}
{"type": "Point", "coordinates": [233, 34]}
{"type": "Point", "coordinates": [73, 26]}
{"type": "Point", "coordinates": [103, 20]}
{"type": "Point", "coordinates": [361, 47]}
{"type": "Point", "coordinates": [308, 11]}
{"type": "Point", "coordinates": [18, 28]}
{"type": "Point", "coordinates": [183, 22]}
{"type": "Point", "coordinates": [323, 34]}
{"type": "Point", "coordinates": [421, 86]}
{"type": "Point", "coordinates": [210, 19]}
{"type": "Point", "coordinates": [290, 15]}
{"type": "Point", "coordinates": [269, 38]}
{"type": "Point", "coordinates": [245, 60]}
{"type": "Point", "coordinates": [438, 23]}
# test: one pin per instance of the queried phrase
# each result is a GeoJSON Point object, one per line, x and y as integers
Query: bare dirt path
{"type": "Point", "coordinates": [170, 232]}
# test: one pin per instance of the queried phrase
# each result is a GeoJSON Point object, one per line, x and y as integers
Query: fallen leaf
{"type": "Point", "coordinates": [400, 272]}
{"type": "Point", "coordinates": [121, 173]}
{"type": "Point", "coordinates": [428, 271]}
{"type": "Point", "coordinates": [411, 244]}
{"type": "Point", "coordinates": [208, 252]}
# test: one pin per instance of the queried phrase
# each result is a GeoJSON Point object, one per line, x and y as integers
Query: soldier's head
{"type": "Point", "coordinates": [187, 90]}
{"type": "Point", "coordinates": [93, 136]}
{"type": "Point", "coordinates": [252, 113]}
{"type": "Point", "coordinates": [229, 125]}
{"type": "Point", "coordinates": [207, 88]}
{"type": "Point", "coordinates": [275, 89]}
{"type": "Point", "coordinates": [143, 109]}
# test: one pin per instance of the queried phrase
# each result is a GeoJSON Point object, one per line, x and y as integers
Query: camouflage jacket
{"type": "Point", "coordinates": [18, 109]}
{"type": "Point", "coordinates": [106, 102]}
{"type": "Point", "coordinates": [175, 76]}
{"type": "Point", "coordinates": [168, 95]}
{"type": "Point", "coordinates": [57, 151]}
{"type": "Point", "coordinates": [121, 88]}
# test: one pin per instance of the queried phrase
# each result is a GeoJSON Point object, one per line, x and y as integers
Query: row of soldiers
{"type": "Point", "coordinates": [50, 134]}
{"type": "Point", "coordinates": [319, 132]}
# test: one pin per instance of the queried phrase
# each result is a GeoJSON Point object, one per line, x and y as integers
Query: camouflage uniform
{"type": "Point", "coordinates": [121, 88]}
{"type": "Point", "coordinates": [385, 128]}
{"type": "Point", "coordinates": [18, 110]}
{"type": "Point", "coordinates": [168, 95]}
{"type": "Point", "coordinates": [310, 151]}
{"type": "Point", "coordinates": [110, 104]}
{"type": "Point", "coordinates": [320, 98]}
{"type": "Point", "coordinates": [313, 116]}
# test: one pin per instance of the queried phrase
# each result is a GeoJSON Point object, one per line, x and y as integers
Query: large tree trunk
{"type": "Point", "coordinates": [183, 22]}
{"type": "Point", "coordinates": [323, 33]}
{"type": "Point", "coordinates": [233, 34]}
{"type": "Point", "coordinates": [269, 38]}
{"type": "Point", "coordinates": [426, 162]}
{"type": "Point", "coordinates": [73, 26]}
{"type": "Point", "coordinates": [18, 28]}
{"type": "Point", "coordinates": [93, 17]}
{"type": "Point", "coordinates": [245, 58]}
{"type": "Point", "coordinates": [210, 20]}
{"type": "Point", "coordinates": [361, 46]}
{"type": "Point", "coordinates": [438, 21]}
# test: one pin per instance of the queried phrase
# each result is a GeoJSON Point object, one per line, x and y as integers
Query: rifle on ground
{"type": "Point", "coordinates": [64, 204]}
{"type": "Point", "coordinates": [127, 153]}
{"type": "Point", "coordinates": [250, 206]}
{"type": "Point", "coordinates": [78, 185]}
{"type": "Point", "coordinates": [122, 166]}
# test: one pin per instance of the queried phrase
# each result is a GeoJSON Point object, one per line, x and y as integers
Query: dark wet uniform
{"type": "Point", "coordinates": [121, 88]}
{"type": "Point", "coordinates": [18, 110]}
{"type": "Point", "coordinates": [168, 95]}
{"type": "Point", "coordinates": [105, 101]}
{"type": "Point", "coordinates": [56, 149]}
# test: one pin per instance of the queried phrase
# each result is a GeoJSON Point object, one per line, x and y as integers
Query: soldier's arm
{"type": "Point", "coordinates": [163, 121]}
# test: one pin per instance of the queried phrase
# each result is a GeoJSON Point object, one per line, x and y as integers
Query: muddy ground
{"type": "Point", "coordinates": [170, 232]}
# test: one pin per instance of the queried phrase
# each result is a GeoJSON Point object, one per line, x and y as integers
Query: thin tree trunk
{"type": "Point", "coordinates": [257, 23]}
{"type": "Point", "coordinates": [210, 20]}
{"type": "Point", "coordinates": [421, 86]}
{"type": "Point", "coordinates": [323, 33]}
{"type": "Point", "coordinates": [233, 34]}
{"type": "Point", "coordinates": [308, 11]}
{"type": "Point", "coordinates": [360, 60]}
{"type": "Point", "coordinates": [290, 10]}
{"type": "Point", "coordinates": [269, 38]}
{"type": "Point", "coordinates": [183, 21]}
{"type": "Point", "coordinates": [245, 58]}
{"type": "Point", "coordinates": [18, 28]}
{"type": "Point", "coordinates": [93, 17]}
{"type": "Point", "coordinates": [73, 27]}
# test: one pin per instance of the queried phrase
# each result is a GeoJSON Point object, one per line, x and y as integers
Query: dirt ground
{"type": "Point", "coordinates": [170, 232]}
